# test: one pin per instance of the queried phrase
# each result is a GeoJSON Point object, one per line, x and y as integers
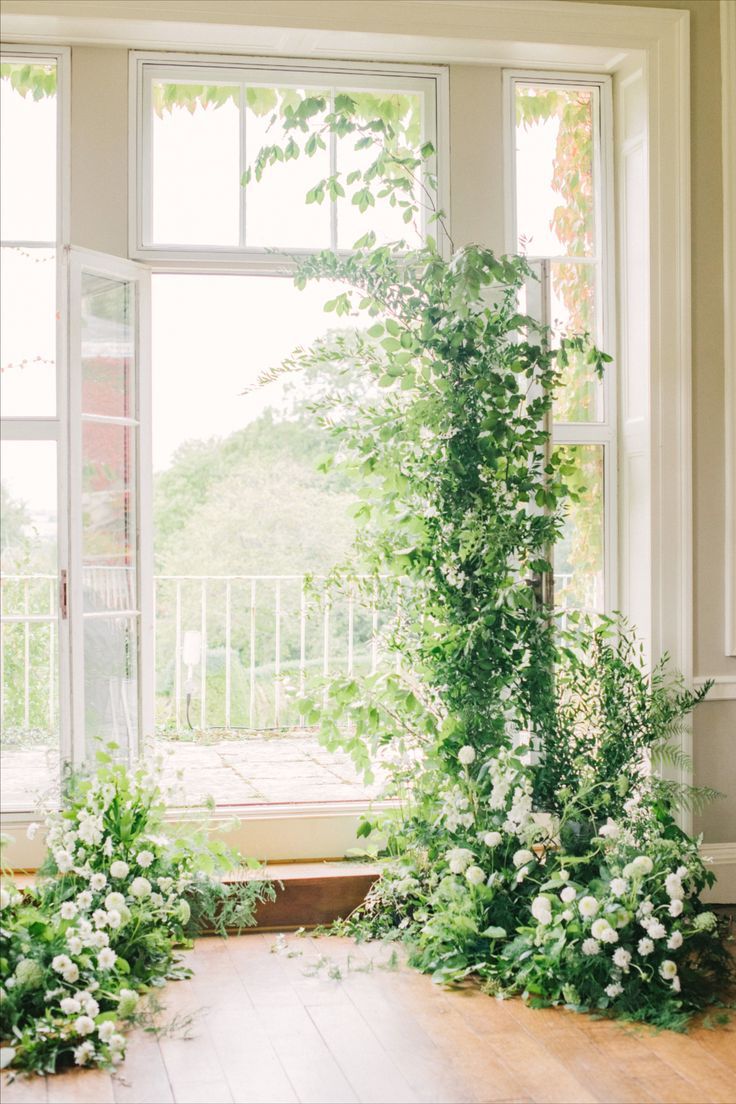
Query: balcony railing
{"type": "Point", "coordinates": [233, 652]}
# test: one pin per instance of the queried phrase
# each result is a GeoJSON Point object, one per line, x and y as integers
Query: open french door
{"type": "Point", "coordinates": [107, 594]}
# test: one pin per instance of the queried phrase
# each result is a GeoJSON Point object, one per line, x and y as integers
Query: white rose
{"type": "Point", "coordinates": [475, 875]}
{"type": "Point", "coordinates": [106, 1030]}
{"type": "Point", "coordinates": [466, 755]}
{"type": "Point", "coordinates": [145, 858]}
{"type": "Point", "coordinates": [568, 894]}
{"type": "Point", "coordinates": [591, 947]}
{"type": "Point", "coordinates": [599, 928]}
{"type": "Point", "coordinates": [106, 958]}
{"type": "Point", "coordinates": [588, 906]}
{"type": "Point", "coordinates": [71, 974]}
{"type": "Point", "coordinates": [675, 941]}
{"type": "Point", "coordinates": [676, 907]}
{"type": "Point", "coordinates": [70, 1006]}
{"type": "Point", "coordinates": [668, 969]}
{"type": "Point", "coordinates": [491, 839]}
{"type": "Point", "coordinates": [84, 1025]}
{"type": "Point", "coordinates": [657, 930]}
{"type": "Point", "coordinates": [521, 857]}
{"type": "Point", "coordinates": [542, 910]}
{"type": "Point", "coordinates": [119, 869]}
{"type": "Point", "coordinates": [140, 887]}
{"type": "Point", "coordinates": [622, 959]}
{"type": "Point", "coordinates": [114, 901]}
{"type": "Point", "coordinates": [673, 886]}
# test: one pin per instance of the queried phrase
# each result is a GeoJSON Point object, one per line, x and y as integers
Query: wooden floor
{"type": "Point", "coordinates": [275, 1026]}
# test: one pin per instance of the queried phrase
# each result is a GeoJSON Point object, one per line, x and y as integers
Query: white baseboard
{"type": "Point", "coordinates": [722, 858]}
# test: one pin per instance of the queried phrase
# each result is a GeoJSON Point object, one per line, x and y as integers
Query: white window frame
{"type": "Point", "coordinates": [604, 432]}
{"type": "Point", "coordinates": [146, 67]}
{"type": "Point", "coordinates": [54, 427]}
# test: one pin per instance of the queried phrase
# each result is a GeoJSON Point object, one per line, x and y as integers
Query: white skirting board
{"type": "Point", "coordinates": [723, 864]}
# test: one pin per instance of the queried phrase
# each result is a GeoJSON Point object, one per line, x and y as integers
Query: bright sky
{"type": "Point", "coordinates": [212, 335]}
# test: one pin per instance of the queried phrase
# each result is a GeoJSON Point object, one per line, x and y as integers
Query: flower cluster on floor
{"type": "Point", "coordinates": [118, 895]}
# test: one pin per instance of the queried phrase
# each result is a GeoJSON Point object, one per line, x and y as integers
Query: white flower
{"type": "Point", "coordinates": [99, 917]}
{"type": "Point", "coordinates": [676, 907]}
{"type": "Point", "coordinates": [676, 984]}
{"type": "Point", "coordinates": [639, 866]}
{"type": "Point", "coordinates": [106, 1030]}
{"type": "Point", "coordinates": [521, 857]}
{"type": "Point", "coordinates": [681, 872]}
{"type": "Point", "coordinates": [466, 755]}
{"type": "Point", "coordinates": [675, 941]}
{"type": "Point", "coordinates": [117, 1042]}
{"type": "Point", "coordinates": [668, 969]}
{"type": "Point", "coordinates": [569, 893]}
{"type": "Point", "coordinates": [60, 963]}
{"type": "Point", "coordinates": [542, 910]}
{"type": "Point", "coordinates": [75, 944]}
{"type": "Point", "coordinates": [97, 882]}
{"type": "Point", "coordinates": [119, 869]}
{"type": "Point", "coordinates": [91, 1007]}
{"type": "Point", "coordinates": [106, 959]}
{"type": "Point", "coordinates": [614, 990]}
{"type": "Point", "coordinates": [83, 1053]}
{"type": "Point", "coordinates": [645, 946]}
{"type": "Point", "coordinates": [588, 906]}
{"type": "Point", "coordinates": [566, 915]}
{"type": "Point", "coordinates": [68, 910]}
{"type": "Point", "coordinates": [458, 859]}
{"type": "Point", "coordinates": [114, 919]}
{"type": "Point", "coordinates": [490, 839]}
{"type": "Point", "coordinates": [475, 875]}
{"type": "Point", "coordinates": [705, 921]}
{"type": "Point", "coordinates": [656, 930]}
{"type": "Point", "coordinates": [84, 899]}
{"type": "Point", "coordinates": [673, 886]}
{"type": "Point", "coordinates": [145, 858]}
{"type": "Point", "coordinates": [165, 884]}
{"type": "Point", "coordinates": [610, 829]}
{"type": "Point", "coordinates": [114, 901]}
{"type": "Point", "coordinates": [622, 959]}
{"type": "Point", "coordinates": [64, 861]}
{"type": "Point", "coordinates": [619, 886]}
{"type": "Point", "coordinates": [100, 939]}
{"type": "Point", "coordinates": [127, 1001]}
{"type": "Point", "coordinates": [4, 898]}
{"type": "Point", "coordinates": [602, 930]}
{"type": "Point", "coordinates": [591, 947]}
{"type": "Point", "coordinates": [70, 1006]}
{"type": "Point", "coordinates": [107, 847]}
{"type": "Point", "coordinates": [564, 875]}
{"type": "Point", "coordinates": [31, 830]}
{"type": "Point", "coordinates": [521, 874]}
{"type": "Point", "coordinates": [140, 887]}
{"type": "Point", "coordinates": [71, 974]}
{"type": "Point", "coordinates": [84, 1025]}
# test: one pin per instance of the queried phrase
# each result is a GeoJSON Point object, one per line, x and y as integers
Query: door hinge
{"type": "Point", "coordinates": [63, 594]}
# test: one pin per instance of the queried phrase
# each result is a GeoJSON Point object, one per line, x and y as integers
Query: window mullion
{"type": "Point", "coordinates": [333, 170]}
{"type": "Point", "coordinates": [243, 166]}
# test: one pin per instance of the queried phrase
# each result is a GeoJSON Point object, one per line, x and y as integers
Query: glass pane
{"type": "Point", "coordinates": [111, 680]}
{"type": "Point", "coordinates": [580, 554]}
{"type": "Point", "coordinates": [29, 674]}
{"type": "Point", "coordinates": [573, 308]}
{"type": "Point", "coordinates": [386, 221]}
{"type": "Point", "coordinates": [108, 346]}
{"type": "Point", "coordinates": [108, 516]}
{"type": "Point", "coordinates": [196, 164]}
{"type": "Point", "coordinates": [277, 214]}
{"type": "Point", "coordinates": [555, 208]}
{"type": "Point", "coordinates": [28, 154]}
{"type": "Point", "coordinates": [27, 332]}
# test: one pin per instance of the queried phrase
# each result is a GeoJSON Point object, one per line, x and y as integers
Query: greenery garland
{"type": "Point", "coordinates": [535, 845]}
{"type": "Point", "coordinates": [118, 895]}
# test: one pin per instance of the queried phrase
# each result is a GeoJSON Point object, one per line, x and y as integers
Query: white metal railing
{"type": "Point", "coordinates": [256, 637]}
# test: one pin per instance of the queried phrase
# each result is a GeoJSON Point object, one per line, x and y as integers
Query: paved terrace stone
{"type": "Point", "coordinates": [252, 770]}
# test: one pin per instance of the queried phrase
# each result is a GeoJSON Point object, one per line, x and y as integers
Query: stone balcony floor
{"type": "Point", "coordinates": [256, 769]}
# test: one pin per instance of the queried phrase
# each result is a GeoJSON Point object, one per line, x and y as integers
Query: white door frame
{"type": "Point", "coordinates": [80, 261]}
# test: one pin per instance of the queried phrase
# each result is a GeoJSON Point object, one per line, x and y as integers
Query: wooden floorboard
{"type": "Point", "coordinates": [323, 1020]}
